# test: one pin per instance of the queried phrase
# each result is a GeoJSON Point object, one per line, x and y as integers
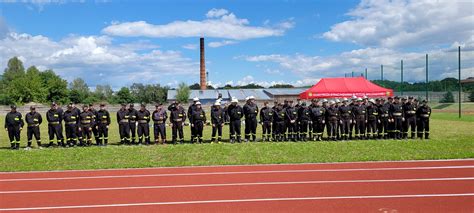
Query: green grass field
{"type": "Point", "coordinates": [451, 138]}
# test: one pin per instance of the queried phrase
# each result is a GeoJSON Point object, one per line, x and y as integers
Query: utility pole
{"type": "Point", "coordinates": [426, 86]}
{"type": "Point", "coordinates": [401, 85]}
{"type": "Point", "coordinates": [460, 86]}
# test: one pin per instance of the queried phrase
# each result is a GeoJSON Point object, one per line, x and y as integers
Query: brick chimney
{"type": "Point", "coordinates": [202, 72]}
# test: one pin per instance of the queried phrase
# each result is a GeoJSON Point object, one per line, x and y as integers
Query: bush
{"type": "Point", "coordinates": [447, 98]}
{"type": "Point", "coordinates": [471, 96]}
{"type": "Point", "coordinates": [182, 93]}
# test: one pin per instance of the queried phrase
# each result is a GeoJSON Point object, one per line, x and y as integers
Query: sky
{"type": "Point", "coordinates": [265, 42]}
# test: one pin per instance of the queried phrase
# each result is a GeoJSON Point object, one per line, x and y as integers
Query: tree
{"type": "Point", "coordinates": [182, 93]}
{"type": "Point", "coordinates": [124, 96]}
{"type": "Point", "coordinates": [103, 92]}
{"type": "Point", "coordinates": [447, 98]}
{"type": "Point", "coordinates": [14, 70]}
{"type": "Point", "coordinates": [251, 86]}
{"type": "Point", "coordinates": [79, 91]}
{"type": "Point", "coordinates": [195, 86]}
{"type": "Point", "coordinates": [282, 86]}
{"type": "Point", "coordinates": [55, 86]}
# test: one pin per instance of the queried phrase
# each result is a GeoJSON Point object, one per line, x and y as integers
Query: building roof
{"type": "Point", "coordinates": [241, 94]}
{"type": "Point", "coordinates": [285, 91]}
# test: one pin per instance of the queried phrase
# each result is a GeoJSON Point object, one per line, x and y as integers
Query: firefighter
{"type": "Point", "coordinates": [291, 121]}
{"type": "Point", "coordinates": [143, 127]}
{"type": "Point", "coordinates": [86, 125]}
{"type": "Point", "coordinates": [54, 118]}
{"type": "Point", "coordinates": [132, 119]}
{"type": "Point", "coordinates": [352, 105]}
{"type": "Point", "coordinates": [266, 120]}
{"type": "Point", "coordinates": [338, 128]}
{"type": "Point", "coordinates": [124, 124]}
{"type": "Point", "coordinates": [279, 117]}
{"type": "Point", "coordinates": [71, 124]}
{"type": "Point", "coordinates": [345, 118]}
{"type": "Point", "coordinates": [14, 125]}
{"type": "Point", "coordinates": [372, 119]}
{"type": "Point", "coordinates": [274, 131]}
{"type": "Point", "coordinates": [410, 118]}
{"type": "Point", "coordinates": [197, 120]}
{"type": "Point", "coordinates": [297, 128]}
{"type": "Point", "coordinates": [304, 117]}
{"type": "Point", "coordinates": [390, 127]}
{"type": "Point", "coordinates": [95, 129]}
{"type": "Point", "coordinates": [396, 117]}
{"type": "Point", "coordinates": [332, 119]}
{"type": "Point", "coordinates": [250, 113]}
{"type": "Point", "coordinates": [360, 119]}
{"type": "Point", "coordinates": [159, 117]}
{"type": "Point", "coordinates": [423, 113]}
{"type": "Point", "coordinates": [191, 108]}
{"type": "Point", "coordinates": [217, 121]}
{"type": "Point", "coordinates": [235, 113]}
{"type": "Point", "coordinates": [33, 121]}
{"type": "Point", "coordinates": [177, 118]}
{"type": "Point", "coordinates": [318, 118]}
{"type": "Point", "coordinates": [102, 125]}
{"type": "Point", "coordinates": [382, 123]}
{"type": "Point", "coordinates": [77, 111]}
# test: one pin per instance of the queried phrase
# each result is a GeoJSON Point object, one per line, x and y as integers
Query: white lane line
{"type": "Point", "coordinates": [234, 184]}
{"type": "Point", "coordinates": [249, 165]}
{"type": "Point", "coordinates": [240, 201]}
{"type": "Point", "coordinates": [234, 173]}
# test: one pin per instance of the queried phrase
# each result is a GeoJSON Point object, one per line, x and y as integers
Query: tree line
{"type": "Point", "coordinates": [18, 86]}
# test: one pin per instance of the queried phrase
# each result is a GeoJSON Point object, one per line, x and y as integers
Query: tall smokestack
{"type": "Point", "coordinates": [203, 66]}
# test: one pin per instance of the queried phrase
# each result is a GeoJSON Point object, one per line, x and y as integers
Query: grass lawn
{"type": "Point", "coordinates": [451, 138]}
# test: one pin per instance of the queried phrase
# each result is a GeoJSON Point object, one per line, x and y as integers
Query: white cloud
{"type": "Point", "coordinates": [97, 59]}
{"type": "Point", "coordinates": [219, 24]}
{"type": "Point", "coordinates": [190, 46]}
{"type": "Point", "coordinates": [216, 44]}
{"type": "Point", "coordinates": [406, 23]}
{"type": "Point", "coordinates": [442, 63]}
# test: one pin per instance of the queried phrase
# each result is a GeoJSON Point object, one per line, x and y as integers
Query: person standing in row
{"type": "Point", "coordinates": [410, 118]}
{"type": "Point", "coordinates": [197, 120]}
{"type": "Point", "coordinates": [143, 128]}
{"type": "Point", "coordinates": [382, 127]}
{"type": "Point", "coordinates": [102, 125]}
{"type": "Point", "coordinates": [266, 120]}
{"type": "Point", "coordinates": [318, 117]}
{"type": "Point", "coordinates": [33, 121]}
{"type": "Point", "coordinates": [191, 109]}
{"type": "Point", "coordinates": [360, 119]}
{"type": "Point", "coordinates": [304, 116]}
{"type": "Point", "coordinates": [235, 113]}
{"type": "Point", "coordinates": [95, 129]}
{"type": "Point", "coordinates": [291, 121]}
{"type": "Point", "coordinates": [177, 117]}
{"type": "Point", "coordinates": [250, 113]}
{"type": "Point", "coordinates": [159, 118]}
{"type": "Point", "coordinates": [71, 124]}
{"type": "Point", "coordinates": [217, 121]}
{"type": "Point", "coordinates": [124, 124]}
{"type": "Point", "coordinates": [279, 118]}
{"type": "Point", "coordinates": [332, 115]}
{"type": "Point", "coordinates": [345, 113]}
{"type": "Point", "coordinates": [132, 119]}
{"type": "Point", "coordinates": [86, 124]}
{"type": "Point", "coordinates": [14, 125]}
{"type": "Point", "coordinates": [54, 118]}
{"type": "Point", "coordinates": [372, 119]}
{"type": "Point", "coordinates": [274, 126]}
{"type": "Point", "coordinates": [423, 113]}
{"type": "Point", "coordinates": [397, 117]}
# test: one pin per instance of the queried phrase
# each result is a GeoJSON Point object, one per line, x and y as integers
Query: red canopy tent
{"type": "Point", "coordinates": [345, 88]}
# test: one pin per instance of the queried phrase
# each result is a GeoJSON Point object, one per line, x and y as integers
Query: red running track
{"type": "Point", "coordinates": [407, 186]}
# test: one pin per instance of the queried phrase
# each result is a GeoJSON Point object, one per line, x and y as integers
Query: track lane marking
{"type": "Point", "coordinates": [239, 201]}
{"type": "Point", "coordinates": [234, 184]}
{"type": "Point", "coordinates": [233, 173]}
{"type": "Point", "coordinates": [250, 165]}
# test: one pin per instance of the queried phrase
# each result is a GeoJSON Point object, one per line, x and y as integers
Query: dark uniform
{"type": "Point", "coordinates": [410, 120]}
{"type": "Point", "coordinates": [86, 125]}
{"type": "Point", "coordinates": [274, 126]}
{"type": "Point", "coordinates": [372, 118]}
{"type": "Point", "coordinates": [54, 118]}
{"type": "Point", "coordinates": [197, 120]}
{"type": "Point", "coordinates": [382, 127]}
{"type": "Point", "coordinates": [71, 124]}
{"type": "Point", "coordinates": [297, 128]}
{"type": "Point", "coordinates": [360, 117]}
{"type": "Point", "coordinates": [191, 109]}
{"type": "Point", "coordinates": [132, 119]}
{"type": "Point", "coordinates": [235, 114]}
{"type": "Point", "coordinates": [345, 117]}
{"type": "Point", "coordinates": [396, 115]}
{"type": "Point", "coordinates": [95, 129]}
{"type": "Point", "coordinates": [143, 128]}
{"type": "Point", "coordinates": [304, 117]}
{"type": "Point", "coordinates": [14, 124]}
{"type": "Point", "coordinates": [332, 116]}
{"type": "Point", "coordinates": [217, 120]}
{"type": "Point", "coordinates": [177, 118]}
{"type": "Point", "coordinates": [279, 117]}
{"type": "Point", "coordinates": [266, 119]}
{"type": "Point", "coordinates": [159, 118]}
{"type": "Point", "coordinates": [102, 123]}
{"type": "Point", "coordinates": [33, 121]}
{"type": "Point", "coordinates": [291, 122]}
{"type": "Point", "coordinates": [318, 118]}
{"type": "Point", "coordinates": [250, 113]}
{"type": "Point", "coordinates": [124, 126]}
{"type": "Point", "coordinates": [78, 112]}
{"type": "Point", "coordinates": [423, 113]}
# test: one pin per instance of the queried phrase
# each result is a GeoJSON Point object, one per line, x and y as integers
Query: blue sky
{"type": "Point", "coordinates": [264, 42]}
